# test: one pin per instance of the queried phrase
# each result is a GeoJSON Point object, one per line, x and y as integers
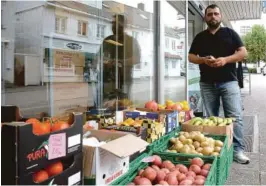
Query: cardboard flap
{"type": "Point", "coordinates": [125, 146]}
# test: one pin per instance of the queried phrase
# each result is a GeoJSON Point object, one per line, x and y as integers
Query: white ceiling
{"type": "Point", "coordinates": [240, 10]}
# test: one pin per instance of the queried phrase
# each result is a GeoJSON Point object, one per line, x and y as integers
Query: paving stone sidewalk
{"type": "Point", "coordinates": [254, 104]}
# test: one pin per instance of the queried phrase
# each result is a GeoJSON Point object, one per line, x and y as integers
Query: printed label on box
{"type": "Point", "coordinates": [74, 179]}
{"type": "Point", "coordinates": [57, 146]}
{"type": "Point", "coordinates": [73, 140]}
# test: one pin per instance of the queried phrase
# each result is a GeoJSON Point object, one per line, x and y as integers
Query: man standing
{"type": "Point", "coordinates": [217, 50]}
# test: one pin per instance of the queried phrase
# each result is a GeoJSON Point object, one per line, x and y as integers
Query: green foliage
{"type": "Point", "coordinates": [255, 42]}
{"type": "Point", "coordinates": [252, 70]}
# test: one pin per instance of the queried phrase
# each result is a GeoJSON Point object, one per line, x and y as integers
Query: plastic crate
{"type": "Point", "coordinates": [176, 159]}
{"type": "Point", "coordinates": [230, 159]}
{"type": "Point", "coordinates": [222, 167]}
{"type": "Point", "coordinates": [155, 146]}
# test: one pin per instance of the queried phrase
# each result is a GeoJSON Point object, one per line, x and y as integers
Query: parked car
{"type": "Point", "coordinates": [245, 70]}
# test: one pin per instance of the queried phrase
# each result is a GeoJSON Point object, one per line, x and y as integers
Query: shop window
{"type": "Point", "coordinates": [174, 31]}
{"type": "Point", "coordinates": [82, 28]}
{"type": "Point", "coordinates": [91, 66]}
{"type": "Point", "coordinates": [60, 24]}
{"type": "Point", "coordinates": [100, 31]}
{"type": "Point", "coordinates": [167, 42]}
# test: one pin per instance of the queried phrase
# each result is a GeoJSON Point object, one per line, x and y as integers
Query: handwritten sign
{"type": "Point", "coordinates": [57, 146]}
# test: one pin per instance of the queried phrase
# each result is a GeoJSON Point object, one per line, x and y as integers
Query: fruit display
{"type": "Point", "coordinates": [154, 129]}
{"type": "Point", "coordinates": [211, 121]}
{"type": "Point", "coordinates": [167, 173]}
{"type": "Point", "coordinates": [47, 126]}
{"type": "Point", "coordinates": [195, 143]}
{"type": "Point", "coordinates": [169, 105]}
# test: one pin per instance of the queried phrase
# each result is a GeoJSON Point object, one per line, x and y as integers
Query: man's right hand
{"type": "Point", "coordinates": [209, 60]}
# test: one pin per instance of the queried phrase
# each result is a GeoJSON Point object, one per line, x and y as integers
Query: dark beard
{"type": "Point", "coordinates": [213, 25]}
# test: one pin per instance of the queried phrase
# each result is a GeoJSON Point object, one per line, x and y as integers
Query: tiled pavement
{"type": "Point", "coordinates": [255, 105]}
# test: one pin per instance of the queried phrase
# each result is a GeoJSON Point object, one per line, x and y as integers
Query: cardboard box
{"type": "Point", "coordinates": [214, 130]}
{"type": "Point", "coordinates": [170, 118]}
{"type": "Point", "coordinates": [28, 152]}
{"type": "Point", "coordinates": [136, 131]}
{"type": "Point", "coordinates": [72, 175]}
{"type": "Point", "coordinates": [109, 161]}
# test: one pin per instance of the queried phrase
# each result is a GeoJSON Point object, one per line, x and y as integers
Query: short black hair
{"type": "Point", "coordinates": [121, 18]}
{"type": "Point", "coordinates": [212, 6]}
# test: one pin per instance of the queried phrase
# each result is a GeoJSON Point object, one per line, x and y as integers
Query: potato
{"type": "Point", "coordinates": [182, 138]}
{"type": "Point", "coordinates": [196, 144]}
{"type": "Point", "coordinates": [217, 149]}
{"type": "Point", "coordinates": [219, 143]}
{"type": "Point", "coordinates": [207, 151]}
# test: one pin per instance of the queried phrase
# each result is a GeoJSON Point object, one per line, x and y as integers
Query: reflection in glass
{"type": "Point", "coordinates": [174, 50]}
{"type": "Point", "coordinates": [69, 55]}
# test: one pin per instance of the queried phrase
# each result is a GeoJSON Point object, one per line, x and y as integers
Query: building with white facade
{"type": "Point", "coordinates": [242, 27]}
{"type": "Point", "coordinates": [174, 51]}
{"type": "Point", "coordinates": [7, 40]}
{"type": "Point", "coordinates": [47, 28]}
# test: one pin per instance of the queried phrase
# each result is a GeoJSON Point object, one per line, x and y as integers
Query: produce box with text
{"type": "Point", "coordinates": [65, 171]}
{"type": "Point", "coordinates": [32, 144]}
{"type": "Point", "coordinates": [106, 155]}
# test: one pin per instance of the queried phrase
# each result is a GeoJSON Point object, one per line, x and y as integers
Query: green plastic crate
{"type": "Point", "coordinates": [163, 140]}
{"type": "Point", "coordinates": [176, 159]}
{"type": "Point", "coordinates": [132, 166]}
{"type": "Point", "coordinates": [230, 159]}
{"type": "Point", "coordinates": [222, 168]}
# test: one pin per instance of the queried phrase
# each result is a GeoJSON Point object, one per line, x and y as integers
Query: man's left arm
{"type": "Point", "coordinates": [239, 55]}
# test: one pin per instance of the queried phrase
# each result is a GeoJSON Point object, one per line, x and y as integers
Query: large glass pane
{"type": "Point", "coordinates": [174, 49]}
{"type": "Point", "coordinates": [195, 25]}
{"type": "Point", "coordinates": [125, 57]}
{"type": "Point", "coordinates": [64, 56]}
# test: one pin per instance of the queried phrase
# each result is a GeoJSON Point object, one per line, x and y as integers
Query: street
{"type": "Point", "coordinates": [35, 99]}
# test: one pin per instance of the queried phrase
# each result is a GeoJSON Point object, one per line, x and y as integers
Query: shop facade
{"type": "Point", "coordinates": [60, 47]}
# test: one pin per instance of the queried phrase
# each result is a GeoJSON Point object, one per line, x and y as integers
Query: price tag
{"type": "Point", "coordinates": [148, 159]}
{"type": "Point", "coordinates": [57, 146]}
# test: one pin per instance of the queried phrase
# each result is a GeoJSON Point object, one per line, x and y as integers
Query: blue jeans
{"type": "Point", "coordinates": [231, 100]}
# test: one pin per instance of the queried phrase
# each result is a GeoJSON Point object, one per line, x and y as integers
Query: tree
{"type": "Point", "coordinates": [255, 42]}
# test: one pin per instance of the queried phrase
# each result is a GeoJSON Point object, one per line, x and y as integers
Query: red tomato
{"type": "Point", "coordinates": [38, 127]}
{"type": "Point", "coordinates": [40, 176]}
{"type": "Point", "coordinates": [55, 168]}
{"type": "Point", "coordinates": [59, 125]}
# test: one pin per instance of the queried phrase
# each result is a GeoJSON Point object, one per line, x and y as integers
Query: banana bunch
{"type": "Point", "coordinates": [211, 121]}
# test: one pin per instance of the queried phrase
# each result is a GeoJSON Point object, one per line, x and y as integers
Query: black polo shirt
{"type": "Point", "coordinates": [223, 43]}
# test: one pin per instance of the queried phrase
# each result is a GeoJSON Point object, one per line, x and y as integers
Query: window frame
{"type": "Point", "coordinates": [82, 22]}
{"type": "Point", "coordinates": [61, 18]}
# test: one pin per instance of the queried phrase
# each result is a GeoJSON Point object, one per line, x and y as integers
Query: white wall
{"type": "Point", "coordinates": [72, 29]}
{"type": "Point", "coordinates": [174, 71]}
{"type": "Point", "coordinates": [28, 31]}
{"type": "Point", "coordinates": [26, 5]}
{"type": "Point", "coordinates": [145, 41]}
{"type": "Point", "coordinates": [8, 34]}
